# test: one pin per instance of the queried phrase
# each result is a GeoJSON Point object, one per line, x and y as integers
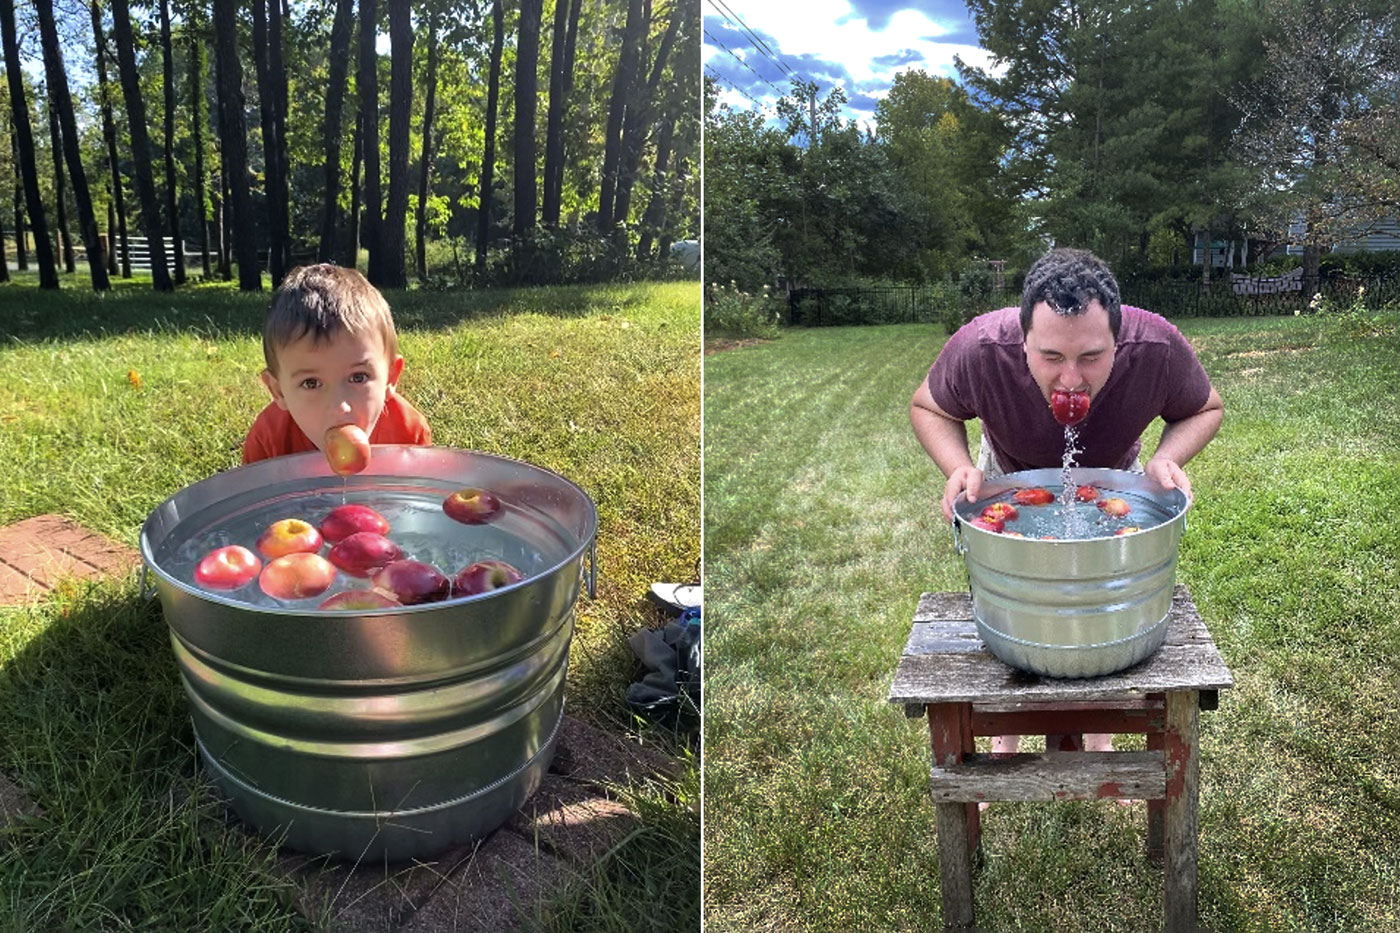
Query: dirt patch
{"type": "Point", "coordinates": [716, 344]}
{"type": "Point", "coordinates": [1253, 354]}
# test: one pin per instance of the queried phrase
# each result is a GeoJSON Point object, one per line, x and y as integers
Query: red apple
{"type": "Point", "coordinates": [987, 524]}
{"type": "Point", "coordinates": [359, 600]}
{"type": "Point", "coordinates": [472, 506]}
{"type": "Point", "coordinates": [1126, 531]}
{"type": "Point", "coordinates": [347, 449]}
{"type": "Point", "coordinates": [297, 576]}
{"type": "Point", "coordinates": [1035, 496]}
{"type": "Point", "coordinates": [1000, 512]}
{"type": "Point", "coordinates": [1069, 408]}
{"type": "Point", "coordinates": [1086, 494]}
{"type": "Point", "coordinates": [484, 576]}
{"type": "Point", "coordinates": [412, 581]}
{"type": "Point", "coordinates": [227, 568]}
{"type": "Point", "coordinates": [1115, 507]}
{"type": "Point", "coordinates": [289, 536]}
{"type": "Point", "coordinates": [363, 553]}
{"type": "Point", "coordinates": [344, 520]}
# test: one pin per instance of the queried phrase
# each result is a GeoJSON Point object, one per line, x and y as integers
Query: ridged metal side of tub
{"type": "Point", "coordinates": [384, 734]}
{"type": "Point", "coordinates": [1079, 608]}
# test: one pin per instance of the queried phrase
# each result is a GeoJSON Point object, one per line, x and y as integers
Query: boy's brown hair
{"type": "Point", "coordinates": [322, 301]}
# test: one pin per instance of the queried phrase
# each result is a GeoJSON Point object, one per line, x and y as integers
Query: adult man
{"type": "Point", "coordinates": [1071, 334]}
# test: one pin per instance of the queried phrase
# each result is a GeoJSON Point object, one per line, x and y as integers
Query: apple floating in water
{"type": "Point", "coordinates": [297, 576]}
{"type": "Point", "coordinates": [472, 506]}
{"type": "Point", "coordinates": [988, 524]}
{"type": "Point", "coordinates": [288, 536]}
{"type": "Point", "coordinates": [1069, 408]}
{"type": "Point", "coordinates": [359, 600]}
{"type": "Point", "coordinates": [345, 520]}
{"type": "Point", "coordinates": [1131, 529]}
{"type": "Point", "coordinates": [1000, 512]}
{"type": "Point", "coordinates": [484, 576]}
{"type": "Point", "coordinates": [363, 553]}
{"type": "Point", "coordinates": [347, 449]}
{"type": "Point", "coordinates": [1086, 493]}
{"type": "Point", "coordinates": [1115, 507]}
{"type": "Point", "coordinates": [227, 568]}
{"type": "Point", "coordinates": [1036, 495]}
{"type": "Point", "coordinates": [411, 582]}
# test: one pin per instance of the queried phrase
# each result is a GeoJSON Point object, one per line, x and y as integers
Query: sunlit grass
{"type": "Point", "coordinates": [821, 531]}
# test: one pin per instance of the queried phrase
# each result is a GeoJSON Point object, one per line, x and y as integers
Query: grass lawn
{"type": "Point", "coordinates": [113, 403]}
{"type": "Point", "coordinates": [821, 530]}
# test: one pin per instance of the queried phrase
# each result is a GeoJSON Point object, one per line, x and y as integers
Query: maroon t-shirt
{"type": "Point", "coordinates": [982, 373]}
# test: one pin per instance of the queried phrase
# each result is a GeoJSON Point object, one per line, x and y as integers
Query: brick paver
{"type": "Point", "coordinates": [39, 552]}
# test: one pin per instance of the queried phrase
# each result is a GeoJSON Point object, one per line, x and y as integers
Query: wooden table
{"type": "Point", "coordinates": [947, 673]}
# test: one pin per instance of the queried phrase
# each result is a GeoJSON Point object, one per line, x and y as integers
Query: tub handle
{"type": "Point", "coordinates": [591, 576]}
{"type": "Point", "coordinates": [958, 545]}
{"type": "Point", "coordinates": [147, 591]}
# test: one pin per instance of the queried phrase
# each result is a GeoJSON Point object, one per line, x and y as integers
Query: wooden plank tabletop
{"type": "Point", "coordinates": [945, 661]}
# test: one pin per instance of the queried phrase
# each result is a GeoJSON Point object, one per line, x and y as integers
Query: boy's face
{"type": "Point", "coordinates": [345, 380]}
{"type": "Point", "coordinates": [1073, 352]}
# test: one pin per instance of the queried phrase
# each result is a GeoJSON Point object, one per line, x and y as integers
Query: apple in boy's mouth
{"type": "Point", "coordinates": [1069, 407]}
{"type": "Point", "coordinates": [472, 506]}
{"type": "Point", "coordinates": [347, 449]}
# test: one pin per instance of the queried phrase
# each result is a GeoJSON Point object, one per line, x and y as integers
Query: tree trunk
{"type": "Point", "coordinates": [196, 57]}
{"type": "Point", "coordinates": [140, 145]}
{"type": "Point", "coordinates": [267, 110]}
{"type": "Point", "coordinates": [655, 214]}
{"type": "Point", "coordinates": [21, 237]}
{"type": "Point", "coordinates": [639, 114]}
{"type": "Point", "coordinates": [233, 144]}
{"type": "Point", "coordinates": [61, 104]}
{"type": "Point", "coordinates": [391, 268]}
{"type": "Point", "coordinates": [221, 226]}
{"type": "Point", "coordinates": [109, 136]}
{"type": "Point", "coordinates": [111, 256]}
{"type": "Point", "coordinates": [4, 259]}
{"type": "Point", "coordinates": [277, 17]}
{"type": "Point", "coordinates": [172, 190]}
{"type": "Point", "coordinates": [527, 57]}
{"type": "Point", "coordinates": [330, 131]}
{"type": "Point", "coordinates": [63, 241]}
{"type": "Point", "coordinates": [368, 84]}
{"type": "Point", "coordinates": [352, 248]}
{"type": "Point", "coordinates": [425, 162]}
{"type": "Point", "coordinates": [488, 159]}
{"type": "Point", "coordinates": [554, 121]}
{"type": "Point", "coordinates": [617, 111]}
{"type": "Point", "coordinates": [24, 143]}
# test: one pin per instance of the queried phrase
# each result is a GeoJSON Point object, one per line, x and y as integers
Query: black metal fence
{"type": "Point", "coordinates": [942, 303]}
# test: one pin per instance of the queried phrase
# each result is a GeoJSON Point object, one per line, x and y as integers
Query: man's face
{"type": "Point", "coordinates": [344, 380]}
{"type": "Point", "coordinates": [1072, 352]}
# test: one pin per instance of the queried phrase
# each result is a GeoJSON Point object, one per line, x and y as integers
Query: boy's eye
{"type": "Point", "coordinates": [310, 382]}
{"type": "Point", "coordinates": [359, 378]}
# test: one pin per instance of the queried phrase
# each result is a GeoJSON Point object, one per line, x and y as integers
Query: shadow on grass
{"type": "Point", "coordinates": [97, 734]}
{"type": "Point", "coordinates": [214, 308]}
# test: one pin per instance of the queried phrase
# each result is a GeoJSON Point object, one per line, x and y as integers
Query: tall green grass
{"type": "Point", "coordinates": [601, 384]}
{"type": "Point", "coordinates": [822, 529]}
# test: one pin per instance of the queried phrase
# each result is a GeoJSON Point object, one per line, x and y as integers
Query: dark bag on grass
{"type": "Point", "coordinates": [671, 655]}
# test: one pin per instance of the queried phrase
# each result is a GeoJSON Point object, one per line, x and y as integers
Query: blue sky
{"type": "Point", "coordinates": [857, 44]}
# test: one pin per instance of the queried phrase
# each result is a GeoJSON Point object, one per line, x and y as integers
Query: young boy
{"type": "Point", "coordinates": [332, 359]}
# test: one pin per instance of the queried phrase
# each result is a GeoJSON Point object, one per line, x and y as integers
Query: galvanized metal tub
{"type": "Point", "coordinates": [1073, 608]}
{"type": "Point", "coordinates": [384, 734]}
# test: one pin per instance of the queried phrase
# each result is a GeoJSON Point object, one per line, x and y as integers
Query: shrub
{"type": "Point", "coordinates": [731, 312]}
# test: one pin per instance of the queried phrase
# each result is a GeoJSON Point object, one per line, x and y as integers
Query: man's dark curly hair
{"type": "Point", "coordinates": [1069, 279]}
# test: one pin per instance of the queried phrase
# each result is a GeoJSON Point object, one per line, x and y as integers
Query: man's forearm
{"type": "Point", "coordinates": [944, 439]}
{"type": "Point", "coordinates": [1186, 438]}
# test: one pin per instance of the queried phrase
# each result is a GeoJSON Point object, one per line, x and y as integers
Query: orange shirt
{"type": "Point", "coordinates": [275, 434]}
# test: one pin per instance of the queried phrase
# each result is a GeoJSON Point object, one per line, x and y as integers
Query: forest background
{"type": "Point", "coordinates": [1136, 130]}
{"type": "Point", "coordinates": [478, 142]}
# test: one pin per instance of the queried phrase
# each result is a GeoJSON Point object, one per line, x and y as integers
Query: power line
{"type": "Point", "coordinates": [761, 46]}
{"type": "Point", "coordinates": [736, 89]}
{"type": "Point", "coordinates": [742, 62]}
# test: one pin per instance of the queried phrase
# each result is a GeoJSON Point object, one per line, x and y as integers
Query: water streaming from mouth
{"type": "Point", "coordinates": [1075, 524]}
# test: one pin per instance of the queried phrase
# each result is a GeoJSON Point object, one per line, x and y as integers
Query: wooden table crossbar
{"type": "Point", "coordinates": [947, 674]}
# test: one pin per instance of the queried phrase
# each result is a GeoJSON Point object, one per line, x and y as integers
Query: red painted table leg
{"type": "Point", "coordinates": [1183, 773]}
{"type": "Point", "coordinates": [1156, 809]}
{"type": "Point", "coordinates": [950, 726]}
